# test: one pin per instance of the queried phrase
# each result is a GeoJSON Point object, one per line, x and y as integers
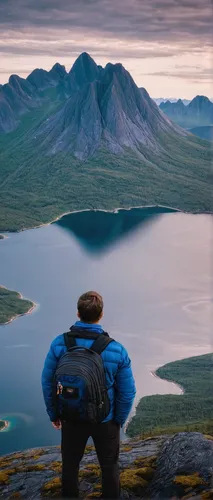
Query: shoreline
{"type": "Point", "coordinates": [154, 374]}
{"type": "Point", "coordinates": [21, 297]}
{"type": "Point", "coordinates": [113, 210]}
{"type": "Point", "coordinates": [6, 425]}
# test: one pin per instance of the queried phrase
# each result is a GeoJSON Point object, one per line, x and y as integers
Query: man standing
{"type": "Point", "coordinates": [89, 389]}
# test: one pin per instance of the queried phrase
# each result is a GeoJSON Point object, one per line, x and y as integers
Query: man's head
{"type": "Point", "coordinates": [90, 307]}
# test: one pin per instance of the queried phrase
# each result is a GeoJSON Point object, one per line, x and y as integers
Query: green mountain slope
{"type": "Point", "coordinates": [63, 157]}
{"type": "Point", "coordinates": [36, 188]}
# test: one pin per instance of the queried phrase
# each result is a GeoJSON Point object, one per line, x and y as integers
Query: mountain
{"type": "Point", "coordinates": [16, 98]}
{"type": "Point", "coordinates": [198, 112]}
{"type": "Point", "coordinates": [42, 79]}
{"type": "Point", "coordinates": [159, 100]}
{"type": "Point", "coordinates": [90, 138]}
{"type": "Point", "coordinates": [105, 109]}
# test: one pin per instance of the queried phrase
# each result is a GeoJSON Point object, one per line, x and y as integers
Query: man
{"type": "Point", "coordinates": [120, 390]}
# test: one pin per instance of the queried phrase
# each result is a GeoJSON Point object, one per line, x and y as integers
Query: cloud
{"type": "Point", "coordinates": [144, 20]}
{"type": "Point", "coordinates": [39, 43]}
{"type": "Point", "coordinates": [141, 34]}
{"type": "Point", "coordinates": [194, 74]}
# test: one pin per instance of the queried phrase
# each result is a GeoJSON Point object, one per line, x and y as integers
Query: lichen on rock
{"type": "Point", "coordinates": [178, 466]}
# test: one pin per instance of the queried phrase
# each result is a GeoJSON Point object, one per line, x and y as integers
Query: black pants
{"type": "Point", "coordinates": [106, 438]}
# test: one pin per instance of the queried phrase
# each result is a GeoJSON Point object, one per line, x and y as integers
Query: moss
{"type": "Point", "coordinates": [145, 461]}
{"type": "Point", "coordinates": [98, 486]}
{"type": "Point", "coordinates": [32, 468]}
{"type": "Point", "coordinates": [192, 480]}
{"type": "Point", "coordinates": [94, 467]}
{"type": "Point", "coordinates": [131, 480]}
{"type": "Point", "coordinates": [4, 462]}
{"type": "Point", "coordinates": [208, 436]}
{"type": "Point", "coordinates": [126, 449]}
{"type": "Point", "coordinates": [145, 472]}
{"type": "Point", "coordinates": [34, 457]}
{"type": "Point", "coordinates": [55, 466]}
{"type": "Point", "coordinates": [207, 495]}
{"type": "Point", "coordinates": [36, 454]}
{"type": "Point", "coordinates": [10, 472]}
{"type": "Point", "coordinates": [17, 456]}
{"type": "Point", "coordinates": [86, 473]}
{"type": "Point", "coordinates": [4, 478]}
{"type": "Point", "coordinates": [94, 494]}
{"type": "Point", "coordinates": [52, 488]}
{"type": "Point", "coordinates": [89, 448]}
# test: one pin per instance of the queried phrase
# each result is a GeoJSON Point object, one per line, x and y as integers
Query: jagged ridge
{"type": "Point", "coordinates": [102, 107]}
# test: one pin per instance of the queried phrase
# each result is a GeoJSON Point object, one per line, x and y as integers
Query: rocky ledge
{"type": "Point", "coordinates": [179, 466]}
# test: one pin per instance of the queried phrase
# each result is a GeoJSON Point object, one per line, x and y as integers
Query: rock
{"type": "Point", "coordinates": [185, 454]}
{"type": "Point", "coordinates": [156, 468]}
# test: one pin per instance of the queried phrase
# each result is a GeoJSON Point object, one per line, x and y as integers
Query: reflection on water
{"type": "Point", "coordinates": [154, 272]}
{"type": "Point", "coordinates": [98, 230]}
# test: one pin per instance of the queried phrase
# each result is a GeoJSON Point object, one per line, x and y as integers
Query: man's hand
{"type": "Point", "coordinates": [57, 425]}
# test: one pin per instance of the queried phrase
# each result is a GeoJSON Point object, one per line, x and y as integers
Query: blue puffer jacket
{"type": "Point", "coordinates": [117, 367]}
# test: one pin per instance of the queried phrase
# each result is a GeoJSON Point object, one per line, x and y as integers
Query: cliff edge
{"type": "Point", "coordinates": [179, 466]}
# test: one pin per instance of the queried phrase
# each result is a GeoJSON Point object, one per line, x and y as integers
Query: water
{"type": "Point", "coordinates": [154, 271]}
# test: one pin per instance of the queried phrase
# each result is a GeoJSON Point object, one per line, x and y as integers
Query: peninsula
{"type": "Point", "coordinates": [191, 411]}
{"type": "Point", "coordinates": [13, 305]}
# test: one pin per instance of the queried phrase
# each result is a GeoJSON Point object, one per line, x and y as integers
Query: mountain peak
{"type": "Point", "coordinates": [58, 72]}
{"type": "Point", "coordinates": [84, 60]}
{"type": "Point", "coordinates": [200, 99]}
{"type": "Point", "coordinates": [84, 70]}
{"type": "Point", "coordinates": [14, 78]}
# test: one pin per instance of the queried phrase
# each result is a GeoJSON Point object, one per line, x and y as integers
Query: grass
{"type": "Point", "coordinates": [11, 305]}
{"type": "Point", "coordinates": [192, 411]}
{"type": "Point", "coordinates": [37, 188]}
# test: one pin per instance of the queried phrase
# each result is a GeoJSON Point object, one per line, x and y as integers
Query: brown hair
{"type": "Point", "coordinates": [90, 306]}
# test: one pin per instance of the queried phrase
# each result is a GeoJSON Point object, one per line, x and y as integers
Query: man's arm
{"type": "Point", "coordinates": [47, 383]}
{"type": "Point", "coordinates": [125, 389]}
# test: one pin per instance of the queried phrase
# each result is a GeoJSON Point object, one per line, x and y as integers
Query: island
{"type": "Point", "coordinates": [12, 305]}
{"type": "Point", "coordinates": [3, 425]}
{"type": "Point", "coordinates": [191, 411]}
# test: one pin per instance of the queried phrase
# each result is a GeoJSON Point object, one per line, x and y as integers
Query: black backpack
{"type": "Point", "coordinates": [79, 386]}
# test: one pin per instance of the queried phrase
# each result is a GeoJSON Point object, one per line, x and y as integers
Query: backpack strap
{"type": "Point", "coordinates": [69, 340]}
{"type": "Point", "coordinates": [101, 343]}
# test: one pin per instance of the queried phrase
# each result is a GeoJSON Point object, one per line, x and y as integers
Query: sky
{"type": "Point", "coordinates": [165, 44]}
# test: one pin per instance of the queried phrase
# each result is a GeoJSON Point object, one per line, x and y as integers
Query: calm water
{"type": "Point", "coordinates": [154, 271]}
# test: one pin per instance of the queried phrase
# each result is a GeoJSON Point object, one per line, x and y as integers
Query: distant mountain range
{"type": "Point", "coordinates": [198, 113]}
{"type": "Point", "coordinates": [90, 138]}
{"type": "Point", "coordinates": [159, 100]}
